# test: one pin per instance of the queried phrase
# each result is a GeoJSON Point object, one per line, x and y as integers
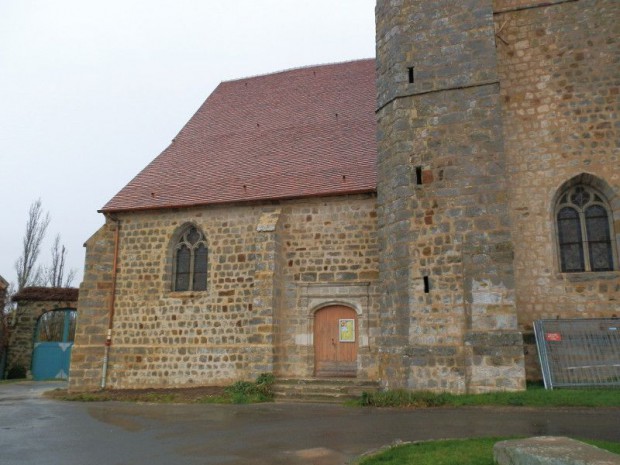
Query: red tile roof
{"type": "Point", "coordinates": [298, 133]}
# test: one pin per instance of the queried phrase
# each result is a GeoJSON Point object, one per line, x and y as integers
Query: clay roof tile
{"type": "Point", "coordinates": [297, 133]}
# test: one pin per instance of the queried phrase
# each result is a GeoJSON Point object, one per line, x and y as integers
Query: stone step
{"type": "Point", "coordinates": [321, 389]}
{"type": "Point", "coordinates": [328, 381]}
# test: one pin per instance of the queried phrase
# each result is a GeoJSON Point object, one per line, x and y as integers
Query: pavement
{"type": "Point", "coordinates": [36, 430]}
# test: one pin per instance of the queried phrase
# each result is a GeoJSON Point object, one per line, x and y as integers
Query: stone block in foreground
{"type": "Point", "coordinates": [551, 450]}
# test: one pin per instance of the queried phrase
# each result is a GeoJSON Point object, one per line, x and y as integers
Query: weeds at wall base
{"type": "Point", "coordinates": [534, 396]}
{"type": "Point", "coordinates": [241, 392]}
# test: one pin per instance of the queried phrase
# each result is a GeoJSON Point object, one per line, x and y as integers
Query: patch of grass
{"type": "Point", "coordinates": [164, 398]}
{"type": "Point", "coordinates": [477, 451]}
{"type": "Point", "coordinates": [540, 397]}
{"type": "Point", "coordinates": [241, 392]}
{"type": "Point", "coordinates": [88, 397]}
{"type": "Point", "coordinates": [215, 399]}
{"type": "Point", "coordinates": [402, 398]}
{"type": "Point", "coordinates": [607, 445]}
{"type": "Point", "coordinates": [449, 452]}
{"type": "Point", "coordinates": [154, 397]}
{"type": "Point", "coordinates": [62, 394]}
{"type": "Point", "coordinates": [245, 392]}
{"type": "Point", "coordinates": [534, 396]}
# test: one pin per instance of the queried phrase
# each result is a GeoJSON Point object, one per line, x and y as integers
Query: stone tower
{"type": "Point", "coordinates": [448, 317]}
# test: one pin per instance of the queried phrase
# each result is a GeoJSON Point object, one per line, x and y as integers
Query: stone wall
{"type": "Point", "coordinates": [330, 256]}
{"type": "Point", "coordinates": [249, 320]}
{"type": "Point", "coordinates": [448, 308]}
{"type": "Point", "coordinates": [558, 66]}
{"type": "Point", "coordinates": [94, 304]}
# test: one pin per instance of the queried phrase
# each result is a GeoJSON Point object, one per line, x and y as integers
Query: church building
{"type": "Point", "coordinates": [402, 219]}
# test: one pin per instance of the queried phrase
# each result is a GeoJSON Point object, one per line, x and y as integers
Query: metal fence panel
{"type": "Point", "coordinates": [579, 353]}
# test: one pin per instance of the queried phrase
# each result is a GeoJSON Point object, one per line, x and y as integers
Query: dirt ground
{"type": "Point", "coordinates": [175, 395]}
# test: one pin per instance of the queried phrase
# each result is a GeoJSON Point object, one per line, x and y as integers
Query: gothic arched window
{"type": "Point", "coordinates": [190, 261]}
{"type": "Point", "coordinates": [584, 229]}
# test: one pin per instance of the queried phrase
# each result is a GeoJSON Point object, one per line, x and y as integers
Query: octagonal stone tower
{"type": "Point", "coordinates": [448, 317]}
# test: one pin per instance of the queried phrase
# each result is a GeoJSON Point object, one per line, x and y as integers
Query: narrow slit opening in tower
{"type": "Point", "coordinates": [418, 175]}
{"type": "Point", "coordinates": [411, 77]}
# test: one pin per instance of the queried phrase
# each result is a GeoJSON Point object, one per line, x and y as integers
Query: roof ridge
{"type": "Point", "coordinates": [296, 68]}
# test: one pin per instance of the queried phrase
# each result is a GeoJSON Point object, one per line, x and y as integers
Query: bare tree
{"type": "Point", "coordinates": [7, 303]}
{"type": "Point", "coordinates": [28, 273]}
{"type": "Point", "coordinates": [6, 312]}
{"type": "Point", "coordinates": [55, 274]}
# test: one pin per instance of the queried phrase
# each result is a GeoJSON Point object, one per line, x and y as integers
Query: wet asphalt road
{"type": "Point", "coordinates": [34, 430]}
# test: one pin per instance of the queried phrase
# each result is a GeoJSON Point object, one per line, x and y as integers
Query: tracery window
{"type": "Point", "coordinates": [190, 261]}
{"type": "Point", "coordinates": [584, 229]}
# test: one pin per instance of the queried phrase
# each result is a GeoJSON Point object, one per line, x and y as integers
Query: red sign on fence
{"type": "Point", "coordinates": [553, 337]}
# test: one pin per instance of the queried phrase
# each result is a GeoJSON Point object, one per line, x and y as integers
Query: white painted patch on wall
{"type": "Point", "coordinates": [304, 339]}
{"type": "Point", "coordinates": [484, 292]}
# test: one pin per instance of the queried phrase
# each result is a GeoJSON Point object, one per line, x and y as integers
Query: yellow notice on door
{"type": "Point", "coordinates": [347, 330]}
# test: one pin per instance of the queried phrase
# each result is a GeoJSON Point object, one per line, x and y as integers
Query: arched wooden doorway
{"type": "Point", "coordinates": [335, 342]}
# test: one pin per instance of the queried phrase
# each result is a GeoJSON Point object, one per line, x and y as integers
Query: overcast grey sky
{"type": "Point", "coordinates": [92, 91]}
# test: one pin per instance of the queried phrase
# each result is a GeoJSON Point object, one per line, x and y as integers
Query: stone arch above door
{"type": "Point", "coordinates": [313, 297]}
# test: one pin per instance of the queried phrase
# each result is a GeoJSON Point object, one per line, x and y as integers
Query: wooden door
{"type": "Point", "coordinates": [335, 342]}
